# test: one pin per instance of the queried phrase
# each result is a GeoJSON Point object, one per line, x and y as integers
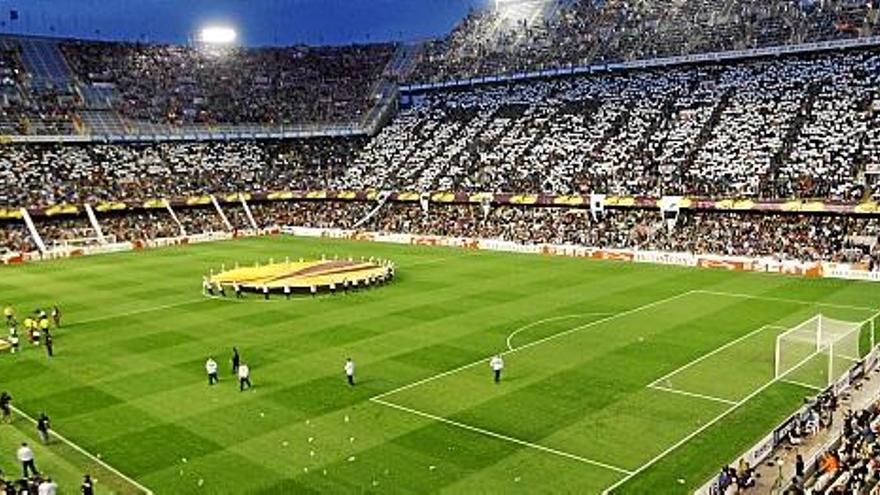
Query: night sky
{"type": "Point", "coordinates": [259, 22]}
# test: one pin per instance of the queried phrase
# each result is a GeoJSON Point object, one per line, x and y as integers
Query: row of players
{"type": "Point", "coordinates": [36, 325]}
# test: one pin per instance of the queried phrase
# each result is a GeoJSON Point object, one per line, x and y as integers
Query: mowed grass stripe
{"type": "Point", "coordinates": [437, 315]}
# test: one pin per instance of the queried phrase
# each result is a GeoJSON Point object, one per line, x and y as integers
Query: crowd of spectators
{"type": "Point", "coordinates": [317, 214]}
{"type": "Point", "coordinates": [273, 86]}
{"type": "Point", "coordinates": [63, 231]}
{"type": "Point", "coordinates": [805, 126]}
{"type": "Point", "coordinates": [139, 225]}
{"type": "Point", "coordinates": [29, 107]}
{"type": "Point", "coordinates": [14, 237]}
{"type": "Point", "coordinates": [302, 85]}
{"type": "Point", "coordinates": [784, 236]}
{"type": "Point", "coordinates": [850, 466]}
{"type": "Point", "coordinates": [505, 39]}
{"type": "Point", "coordinates": [200, 220]}
{"type": "Point", "coordinates": [804, 237]}
{"type": "Point", "coordinates": [816, 417]}
{"type": "Point", "coordinates": [36, 175]}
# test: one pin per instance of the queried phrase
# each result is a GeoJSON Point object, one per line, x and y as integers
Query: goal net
{"type": "Point", "coordinates": [818, 351]}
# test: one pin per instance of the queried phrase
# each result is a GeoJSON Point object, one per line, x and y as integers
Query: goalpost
{"type": "Point", "coordinates": [818, 351]}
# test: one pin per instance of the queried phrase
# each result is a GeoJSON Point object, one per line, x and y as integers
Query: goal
{"type": "Point", "coordinates": [818, 351]}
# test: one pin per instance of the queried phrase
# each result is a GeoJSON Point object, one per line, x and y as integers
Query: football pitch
{"type": "Point", "coordinates": [629, 377]}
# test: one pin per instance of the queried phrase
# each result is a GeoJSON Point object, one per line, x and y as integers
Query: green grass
{"type": "Point", "coordinates": [128, 383]}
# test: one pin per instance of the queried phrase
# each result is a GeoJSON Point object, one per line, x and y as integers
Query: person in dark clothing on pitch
{"type": "Point", "coordinates": [87, 488]}
{"type": "Point", "coordinates": [6, 407]}
{"type": "Point", "coordinates": [236, 360]}
{"type": "Point", "coordinates": [49, 343]}
{"type": "Point", "coordinates": [43, 428]}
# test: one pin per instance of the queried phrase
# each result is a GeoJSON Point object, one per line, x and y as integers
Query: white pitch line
{"type": "Point", "coordinates": [701, 429]}
{"type": "Point", "coordinates": [535, 342]}
{"type": "Point", "coordinates": [708, 355]}
{"type": "Point", "coordinates": [802, 384]}
{"type": "Point", "coordinates": [782, 299]}
{"type": "Point", "coordinates": [86, 453]}
{"type": "Point", "coordinates": [547, 320]}
{"type": "Point", "coordinates": [500, 436]}
{"type": "Point", "coordinates": [691, 394]}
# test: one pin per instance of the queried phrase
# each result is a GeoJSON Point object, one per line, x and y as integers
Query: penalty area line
{"type": "Point", "coordinates": [709, 354]}
{"type": "Point", "coordinates": [702, 428]}
{"type": "Point", "coordinates": [692, 394]}
{"type": "Point", "coordinates": [86, 453]}
{"type": "Point", "coordinates": [500, 436]}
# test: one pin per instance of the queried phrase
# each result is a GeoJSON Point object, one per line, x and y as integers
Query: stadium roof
{"type": "Point", "coordinates": [266, 22]}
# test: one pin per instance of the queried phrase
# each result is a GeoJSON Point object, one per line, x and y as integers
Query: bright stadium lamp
{"type": "Point", "coordinates": [218, 35]}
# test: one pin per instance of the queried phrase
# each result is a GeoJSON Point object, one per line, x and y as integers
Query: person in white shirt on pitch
{"type": "Point", "coordinates": [47, 487]}
{"type": "Point", "coordinates": [244, 377]}
{"type": "Point", "coordinates": [497, 364]}
{"type": "Point", "coordinates": [349, 371]}
{"type": "Point", "coordinates": [211, 368]}
{"type": "Point", "coordinates": [26, 458]}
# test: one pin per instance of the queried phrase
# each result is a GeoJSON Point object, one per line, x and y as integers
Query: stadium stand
{"type": "Point", "coordinates": [178, 85]}
{"type": "Point", "coordinates": [54, 87]}
{"type": "Point", "coordinates": [801, 126]}
{"type": "Point", "coordinates": [49, 174]}
{"type": "Point", "coordinates": [773, 157]}
{"type": "Point", "coordinates": [792, 127]}
{"type": "Point", "coordinates": [583, 32]}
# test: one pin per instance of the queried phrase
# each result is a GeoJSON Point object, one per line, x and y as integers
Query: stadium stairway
{"type": "Point", "coordinates": [43, 60]}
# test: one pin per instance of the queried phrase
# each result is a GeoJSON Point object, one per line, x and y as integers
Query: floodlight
{"type": "Point", "coordinates": [218, 35]}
